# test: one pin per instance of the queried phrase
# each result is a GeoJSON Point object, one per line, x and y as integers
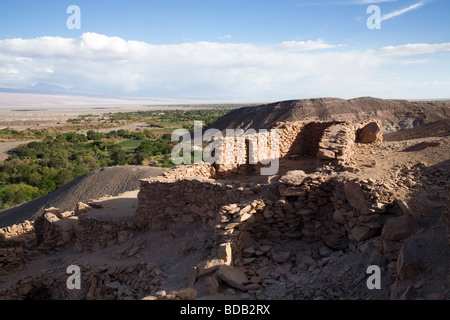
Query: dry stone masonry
{"type": "Point", "coordinates": [253, 232]}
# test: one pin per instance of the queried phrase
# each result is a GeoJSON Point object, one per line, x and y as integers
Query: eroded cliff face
{"type": "Point", "coordinates": [308, 232]}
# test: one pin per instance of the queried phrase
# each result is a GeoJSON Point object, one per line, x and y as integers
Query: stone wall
{"type": "Point", "coordinates": [330, 141]}
{"type": "Point", "coordinates": [204, 170]}
{"type": "Point", "coordinates": [332, 208]}
{"type": "Point", "coordinates": [188, 200]}
{"type": "Point", "coordinates": [82, 228]}
{"type": "Point", "coordinates": [93, 233]}
{"type": "Point", "coordinates": [16, 247]}
{"type": "Point", "coordinates": [22, 232]}
{"type": "Point", "coordinates": [338, 141]}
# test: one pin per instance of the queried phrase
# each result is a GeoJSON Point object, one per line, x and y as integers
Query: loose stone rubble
{"type": "Point", "coordinates": [297, 235]}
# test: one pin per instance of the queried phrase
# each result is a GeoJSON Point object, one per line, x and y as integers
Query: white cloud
{"type": "Point", "coordinates": [214, 70]}
{"type": "Point", "coordinates": [228, 36]}
{"type": "Point", "coordinates": [402, 11]}
{"type": "Point", "coordinates": [304, 46]}
{"type": "Point", "coordinates": [415, 49]}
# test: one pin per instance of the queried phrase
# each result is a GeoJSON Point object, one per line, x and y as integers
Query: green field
{"type": "Point", "coordinates": [130, 146]}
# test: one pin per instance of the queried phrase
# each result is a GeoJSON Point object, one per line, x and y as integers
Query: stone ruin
{"type": "Point", "coordinates": [240, 219]}
{"type": "Point", "coordinates": [329, 141]}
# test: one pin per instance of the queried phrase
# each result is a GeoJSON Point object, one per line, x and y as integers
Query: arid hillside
{"type": "Point", "coordinates": [395, 114]}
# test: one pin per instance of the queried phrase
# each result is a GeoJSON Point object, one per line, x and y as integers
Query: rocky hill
{"type": "Point", "coordinates": [395, 114]}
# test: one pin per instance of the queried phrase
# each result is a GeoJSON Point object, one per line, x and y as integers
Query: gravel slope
{"type": "Point", "coordinates": [107, 181]}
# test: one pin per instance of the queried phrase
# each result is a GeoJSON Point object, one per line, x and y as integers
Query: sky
{"type": "Point", "coordinates": [228, 50]}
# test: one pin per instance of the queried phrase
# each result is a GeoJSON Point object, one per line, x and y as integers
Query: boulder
{"type": "Point", "coordinates": [362, 233]}
{"type": "Point", "coordinates": [338, 217]}
{"type": "Point", "coordinates": [293, 178]}
{"type": "Point", "coordinates": [233, 277]}
{"type": "Point", "coordinates": [408, 263]}
{"type": "Point", "coordinates": [82, 208]}
{"type": "Point", "coordinates": [53, 210]}
{"type": "Point", "coordinates": [403, 207]}
{"type": "Point", "coordinates": [209, 266]}
{"type": "Point", "coordinates": [355, 196]}
{"type": "Point", "coordinates": [324, 154]}
{"type": "Point", "coordinates": [211, 286]}
{"type": "Point", "coordinates": [186, 294]}
{"type": "Point", "coordinates": [370, 133]}
{"type": "Point", "coordinates": [281, 257]}
{"type": "Point", "coordinates": [397, 228]}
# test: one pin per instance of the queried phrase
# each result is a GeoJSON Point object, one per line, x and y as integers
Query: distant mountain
{"type": "Point", "coordinates": [40, 88]}
{"type": "Point", "coordinates": [48, 88]}
{"type": "Point", "coordinates": [395, 114]}
{"type": "Point", "coordinates": [55, 90]}
{"type": "Point", "coordinates": [43, 94]}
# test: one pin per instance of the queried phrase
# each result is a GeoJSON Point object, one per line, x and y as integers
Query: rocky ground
{"type": "Point", "coordinates": [181, 262]}
{"type": "Point", "coordinates": [337, 206]}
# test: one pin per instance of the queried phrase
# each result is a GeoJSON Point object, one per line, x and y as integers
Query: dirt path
{"type": "Point", "coordinates": [5, 147]}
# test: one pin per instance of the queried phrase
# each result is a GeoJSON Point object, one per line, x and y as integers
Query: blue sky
{"type": "Point", "coordinates": [229, 50]}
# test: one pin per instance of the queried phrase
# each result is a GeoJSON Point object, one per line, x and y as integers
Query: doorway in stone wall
{"type": "Point", "coordinates": [303, 151]}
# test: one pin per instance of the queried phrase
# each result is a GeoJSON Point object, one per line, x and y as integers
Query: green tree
{"type": "Point", "coordinates": [140, 157]}
{"type": "Point", "coordinates": [96, 136]}
{"type": "Point", "coordinates": [17, 193]}
{"type": "Point", "coordinates": [64, 177]}
{"type": "Point", "coordinates": [118, 157]}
